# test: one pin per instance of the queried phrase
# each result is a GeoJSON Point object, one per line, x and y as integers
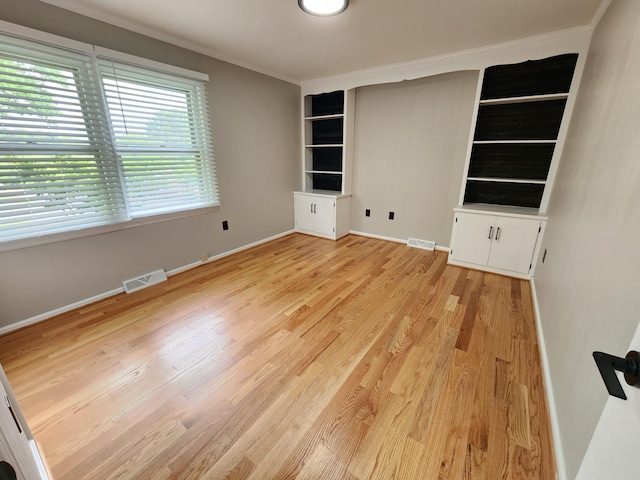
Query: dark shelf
{"type": "Point", "coordinates": [327, 159]}
{"type": "Point", "coordinates": [325, 181]}
{"type": "Point", "coordinates": [327, 132]}
{"type": "Point", "coordinates": [504, 193]}
{"type": "Point", "coordinates": [534, 77]}
{"type": "Point", "coordinates": [525, 161]}
{"type": "Point", "coordinates": [327, 103]}
{"type": "Point", "coordinates": [520, 121]}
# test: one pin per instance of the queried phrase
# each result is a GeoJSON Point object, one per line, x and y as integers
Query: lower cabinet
{"type": "Point", "coordinates": [323, 214]}
{"type": "Point", "coordinates": [496, 241]}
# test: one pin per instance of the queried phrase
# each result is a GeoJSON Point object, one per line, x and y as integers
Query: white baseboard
{"type": "Point", "coordinates": [116, 291]}
{"type": "Point", "coordinates": [58, 311]}
{"type": "Point", "coordinates": [248, 246]}
{"type": "Point", "coordinates": [379, 237]}
{"type": "Point", "coordinates": [551, 403]}
{"type": "Point", "coordinates": [391, 239]}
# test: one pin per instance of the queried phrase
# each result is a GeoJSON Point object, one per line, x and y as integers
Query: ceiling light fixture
{"type": "Point", "coordinates": [323, 8]}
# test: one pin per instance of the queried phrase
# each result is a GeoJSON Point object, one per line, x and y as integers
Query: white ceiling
{"type": "Point", "coordinates": [276, 37]}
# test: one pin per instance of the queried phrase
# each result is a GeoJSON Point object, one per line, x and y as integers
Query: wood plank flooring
{"type": "Point", "coordinates": [298, 359]}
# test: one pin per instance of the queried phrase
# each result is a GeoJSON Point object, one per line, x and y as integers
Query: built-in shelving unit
{"type": "Point", "coordinates": [323, 205]}
{"type": "Point", "coordinates": [328, 128]}
{"type": "Point", "coordinates": [519, 116]}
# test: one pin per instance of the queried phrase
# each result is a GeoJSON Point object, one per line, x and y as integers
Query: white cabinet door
{"type": "Point", "coordinates": [14, 444]}
{"type": "Point", "coordinates": [471, 239]}
{"type": "Point", "coordinates": [303, 212]}
{"type": "Point", "coordinates": [316, 214]}
{"type": "Point", "coordinates": [324, 215]}
{"type": "Point", "coordinates": [514, 240]}
{"type": "Point", "coordinates": [500, 243]}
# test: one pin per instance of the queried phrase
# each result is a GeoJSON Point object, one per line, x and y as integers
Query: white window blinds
{"type": "Point", "coordinates": [161, 135]}
{"type": "Point", "coordinates": [87, 142]}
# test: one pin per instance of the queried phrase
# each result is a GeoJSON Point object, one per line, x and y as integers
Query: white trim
{"type": "Point", "coordinates": [69, 44]}
{"type": "Point", "coordinates": [392, 239]}
{"type": "Point", "coordinates": [44, 37]}
{"type": "Point", "coordinates": [546, 373]}
{"type": "Point", "coordinates": [184, 268]}
{"type": "Point", "coordinates": [604, 5]}
{"type": "Point", "coordinates": [490, 269]}
{"type": "Point", "coordinates": [116, 291]}
{"type": "Point", "coordinates": [112, 227]}
{"type": "Point", "coordinates": [472, 134]}
{"type": "Point", "coordinates": [58, 311]}
{"type": "Point", "coordinates": [379, 237]}
{"type": "Point", "coordinates": [562, 132]}
{"type": "Point", "coordinates": [531, 48]}
{"type": "Point", "coordinates": [42, 470]}
{"type": "Point", "coordinates": [248, 246]}
{"type": "Point", "coordinates": [145, 62]}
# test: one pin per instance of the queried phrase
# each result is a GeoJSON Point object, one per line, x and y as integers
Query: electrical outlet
{"type": "Point", "coordinates": [391, 215]}
{"type": "Point", "coordinates": [367, 213]}
{"type": "Point", "coordinates": [225, 225]}
{"type": "Point", "coordinates": [204, 257]}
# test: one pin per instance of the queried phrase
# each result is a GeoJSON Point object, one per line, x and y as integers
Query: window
{"type": "Point", "coordinates": [87, 141]}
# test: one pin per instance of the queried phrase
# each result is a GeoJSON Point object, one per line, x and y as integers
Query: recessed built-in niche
{"type": "Point", "coordinates": [535, 77]}
{"type": "Point", "coordinates": [504, 193]}
{"type": "Point", "coordinates": [327, 159]}
{"type": "Point", "coordinates": [327, 104]}
{"type": "Point", "coordinates": [327, 181]}
{"type": "Point", "coordinates": [520, 121]}
{"type": "Point", "coordinates": [511, 160]}
{"type": "Point", "coordinates": [327, 132]}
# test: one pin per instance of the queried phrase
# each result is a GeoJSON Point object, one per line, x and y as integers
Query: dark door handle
{"type": "Point", "coordinates": [608, 364]}
{"type": "Point", "coordinates": [7, 472]}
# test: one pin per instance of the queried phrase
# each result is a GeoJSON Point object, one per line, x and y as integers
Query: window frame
{"type": "Point", "coordinates": [100, 53]}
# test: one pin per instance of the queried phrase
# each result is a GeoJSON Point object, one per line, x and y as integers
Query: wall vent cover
{"type": "Point", "coordinates": [424, 244]}
{"type": "Point", "coordinates": [143, 281]}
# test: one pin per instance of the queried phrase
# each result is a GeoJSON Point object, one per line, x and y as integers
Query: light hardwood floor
{"type": "Point", "coordinates": [299, 359]}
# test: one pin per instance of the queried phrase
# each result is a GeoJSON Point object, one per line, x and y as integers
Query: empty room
{"type": "Point", "coordinates": [319, 239]}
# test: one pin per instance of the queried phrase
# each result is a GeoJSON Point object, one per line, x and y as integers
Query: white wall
{"type": "Point", "coordinates": [588, 287]}
{"type": "Point", "coordinates": [409, 153]}
{"type": "Point", "coordinates": [256, 125]}
{"type": "Point", "coordinates": [613, 449]}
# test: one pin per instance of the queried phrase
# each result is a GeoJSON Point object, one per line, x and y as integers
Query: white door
{"type": "Point", "coordinates": [514, 240]}
{"type": "Point", "coordinates": [303, 212]}
{"type": "Point", "coordinates": [324, 215]}
{"type": "Point", "coordinates": [14, 444]}
{"type": "Point", "coordinates": [471, 239]}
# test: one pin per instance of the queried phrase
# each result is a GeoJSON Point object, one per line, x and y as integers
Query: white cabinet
{"type": "Point", "coordinates": [496, 241]}
{"type": "Point", "coordinates": [322, 214]}
{"type": "Point", "coordinates": [17, 447]}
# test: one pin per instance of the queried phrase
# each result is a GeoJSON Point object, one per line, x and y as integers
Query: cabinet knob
{"type": "Point", "coordinates": [498, 233]}
{"type": "Point", "coordinates": [490, 232]}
